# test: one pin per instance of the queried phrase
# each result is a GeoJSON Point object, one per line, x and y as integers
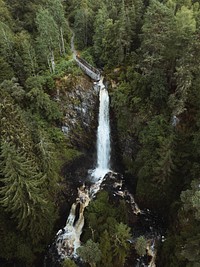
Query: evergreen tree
{"type": "Point", "coordinates": [48, 36]}
{"type": "Point", "coordinates": [56, 9]}
{"type": "Point", "coordinates": [68, 263]}
{"type": "Point", "coordinates": [13, 127]}
{"type": "Point", "coordinates": [6, 71]}
{"type": "Point", "coordinates": [90, 252]}
{"type": "Point", "coordinates": [5, 13]}
{"type": "Point", "coordinates": [28, 54]}
{"type": "Point", "coordinates": [141, 245]}
{"type": "Point", "coordinates": [185, 33]}
{"type": "Point", "coordinates": [21, 193]}
{"type": "Point", "coordinates": [106, 250]}
{"type": "Point", "coordinates": [121, 246]}
{"type": "Point", "coordinates": [99, 28]}
{"type": "Point", "coordinates": [6, 42]}
{"type": "Point", "coordinates": [83, 24]}
{"type": "Point", "coordinates": [40, 102]}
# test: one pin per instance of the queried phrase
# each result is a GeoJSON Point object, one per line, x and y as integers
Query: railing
{"type": "Point", "coordinates": [88, 69]}
{"type": "Point", "coordinates": [83, 64]}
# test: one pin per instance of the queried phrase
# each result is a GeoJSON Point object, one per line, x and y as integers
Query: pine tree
{"type": "Point", "coordinates": [99, 31]}
{"type": "Point", "coordinates": [165, 164]}
{"type": "Point", "coordinates": [120, 244]}
{"type": "Point", "coordinates": [56, 9]}
{"type": "Point", "coordinates": [28, 54]}
{"type": "Point", "coordinates": [22, 195]}
{"type": "Point", "coordinates": [185, 32]}
{"type": "Point", "coordinates": [13, 126]}
{"type": "Point", "coordinates": [83, 24]}
{"type": "Point", "coordinates": [6, 71]}
{"type": "Point", "coordinates": [106, 250]}
{"type": "Point", "coordinates": [141, 245]}
{"type": "Point", "coordinates": [6, 42]}
{"type": "Point", "coordinates": [90, 253]}
{"type": "Point", "coordinates": [68, 263]}
{"type": "Point", "coordinates": [48, 36]}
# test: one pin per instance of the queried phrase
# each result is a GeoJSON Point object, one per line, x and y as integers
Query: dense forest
{"type": "Point", "coordinates": [149, 52]}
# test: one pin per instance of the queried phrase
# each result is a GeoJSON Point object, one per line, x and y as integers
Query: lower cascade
{"type": "Point", "coordinates": [68, 238]}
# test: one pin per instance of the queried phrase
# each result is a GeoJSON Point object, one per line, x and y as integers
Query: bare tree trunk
{"type": "Point", "coordinates": [52, 61]}
{"type": "Point", "coordinates": [60, 48]}
{"type": "Point", "coordinates": [62, 40]}
{"type": "Point", "coordinates": [49, 64]}
{"type": "Point", "coordinates": [32, 62]}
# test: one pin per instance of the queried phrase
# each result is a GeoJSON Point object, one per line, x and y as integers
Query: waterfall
{"type": "Point", "coordinates": [103, 134]}
{"type": "Point", "coordinates": [68, 239]}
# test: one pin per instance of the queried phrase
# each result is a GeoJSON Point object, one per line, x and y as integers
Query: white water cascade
{"type": "Point", "coordinates": [68, 239]}
{"type": "Point", "coordinates": [103, 134]}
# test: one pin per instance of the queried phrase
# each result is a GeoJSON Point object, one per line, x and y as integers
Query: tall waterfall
{"type": "Point", "coordinates": [103, 134]}
{"type": "Point", "coordinates": [68, 239]}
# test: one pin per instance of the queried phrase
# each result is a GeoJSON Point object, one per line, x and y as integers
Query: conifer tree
{"type": "Point", "coordinates": [13, 126]}
{"type": "Point", "coordinates": [90, 252]}
{"type": "Point", "coordinates": [99, 28]}
{"type": "Point", "coordinates": [48, 36]}
{"type": "Point", "coordinates": [120, 245]}
{"type": "Point", "coordinates": [6, 42]}
{"type": "Point", "coordinates": [28, 55]}
{"type": "Point", "coordinates": [22, 195]}
{"type": "Point", "coordinates": [141, 245]}
{"type": "Point", "coordinates": [56, 9]}
{"type": "Point", "coordinates": [106, 250]}
{"type": "Point", "coordinates": [83, 24]}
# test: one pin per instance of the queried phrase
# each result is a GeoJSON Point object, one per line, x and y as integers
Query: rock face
{"type": "Point", "coordinates": [79, 99]}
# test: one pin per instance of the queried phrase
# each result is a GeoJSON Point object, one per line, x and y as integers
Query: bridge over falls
{"type": "Point", "coordinates": [84, 65]}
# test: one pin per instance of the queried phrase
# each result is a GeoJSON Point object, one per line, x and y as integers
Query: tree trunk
{"type": "Point", "coordinates": [49, 64]}
{"type": "Point", "coordinates": [52, 61]}
{"type": "Point", "coordinates": [60, 48]}
{"type": "Point", "coordinates": [32, 63]}
{"type": "Point", "coordinates": [62, 40]}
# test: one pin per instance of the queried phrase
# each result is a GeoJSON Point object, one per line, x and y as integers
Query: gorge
{"type": "Point", "coordinates": [146, 211]}
{"type": "Point", "coordinates": [68, 238]}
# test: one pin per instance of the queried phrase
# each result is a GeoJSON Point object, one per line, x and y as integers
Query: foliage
{"type": "Point", "coordinates": [21, 193]}
{"type": "Point", "coordinates": [104, 226]}
{"type": "Point", "coordinates": [141, 245]}
{"type": "Point", "coordinates": [151, 54]}
{"type": "Point", "coordinates": [90, 252]}
{"type": "Point", "coordinates": [68, 263]}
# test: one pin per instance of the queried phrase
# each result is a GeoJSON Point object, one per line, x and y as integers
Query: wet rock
{"type": "Point", "coordinates": [79, 100]}
{"type": "Point", "coordinates": [114, 184]}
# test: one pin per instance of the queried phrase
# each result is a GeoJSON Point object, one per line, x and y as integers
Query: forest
{"type": "Point", "coordinates": [149, 52]}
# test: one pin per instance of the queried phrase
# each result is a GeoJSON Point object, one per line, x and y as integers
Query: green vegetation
{"type": "Point", "coordinates": [34, 36]}
{"type": "Point", "coordinates": [68, 263]}
{"type": "Point", "coordinates": [141, 245]}
{"type": "Point", "coordinates": [150, 53]}
{"type": "Point", "coordinates": [106, 226]}
{"type": "Point", "coordinates": [90, 253]}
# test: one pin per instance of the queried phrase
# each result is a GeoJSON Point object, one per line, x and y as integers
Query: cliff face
{"type": "Point", "coordinates": [78, 98]}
